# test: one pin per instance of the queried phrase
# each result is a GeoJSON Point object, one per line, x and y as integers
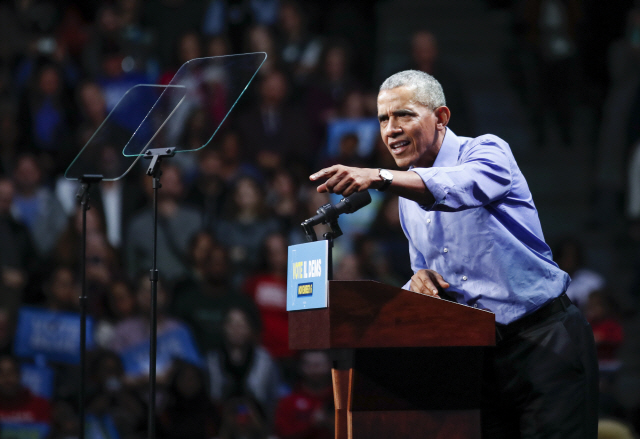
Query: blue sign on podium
{"type": "Point", "coordinates": [307, 276]}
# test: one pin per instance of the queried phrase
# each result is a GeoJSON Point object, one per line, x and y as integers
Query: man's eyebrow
{"type": "Point", "coordinates": [403, 112]}
{"type": "Point", "coordinates": [400, 112]}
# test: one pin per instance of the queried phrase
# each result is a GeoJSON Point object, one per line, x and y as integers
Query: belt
{"type": "Point", "coordinates": [504, 332]}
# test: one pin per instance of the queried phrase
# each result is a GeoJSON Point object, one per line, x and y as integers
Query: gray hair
{"type": "Point", "coordinates": [426, 89]}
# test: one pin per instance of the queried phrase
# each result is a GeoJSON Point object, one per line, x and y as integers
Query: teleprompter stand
{"type": "Point", "coordinates": [83, 196]}
{"type": "Point", "coordinates": [156, 155]}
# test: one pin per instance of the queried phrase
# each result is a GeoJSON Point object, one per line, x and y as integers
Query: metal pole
{"type": "Point", "coordinates": [83, 306]}
{"type": "Point", "coordinates": [156, 155]}
{"type": "Point", "coordinates": [153, 276]}
{"type": "Point", "coordinates": [83, 196]}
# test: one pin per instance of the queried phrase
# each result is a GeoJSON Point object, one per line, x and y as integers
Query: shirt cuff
{"type": "Point", "coordinates": [438, 189]}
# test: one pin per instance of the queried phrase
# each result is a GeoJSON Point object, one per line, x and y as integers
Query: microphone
{"type": "Point", "coordinates": [330, 213]}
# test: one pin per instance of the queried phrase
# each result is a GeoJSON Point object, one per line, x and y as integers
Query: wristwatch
{"type": "Point", "coordinates": [387, 178]}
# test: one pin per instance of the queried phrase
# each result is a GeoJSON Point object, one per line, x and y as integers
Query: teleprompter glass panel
{"type": "Point", "coordinates": [212, 87]}
{"type": "Point", "coordinates": [129, 122]}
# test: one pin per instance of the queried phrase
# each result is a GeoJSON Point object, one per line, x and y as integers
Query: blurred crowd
{"type": "Point", "coordinates": [227, 213]}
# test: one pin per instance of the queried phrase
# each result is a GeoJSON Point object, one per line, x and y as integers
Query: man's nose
{"type": "Point", "coordinates": [393, 128]}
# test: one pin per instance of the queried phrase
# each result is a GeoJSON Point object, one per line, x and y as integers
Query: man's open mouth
{"type": "Point", "coordinates": [399, 146]}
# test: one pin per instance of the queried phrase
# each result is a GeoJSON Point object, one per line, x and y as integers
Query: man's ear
{"type": "Point", "coordinates": [443, 114]}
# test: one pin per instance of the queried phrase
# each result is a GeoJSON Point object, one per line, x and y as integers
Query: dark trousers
{"type": "Point", "coordinates": [542, 383]}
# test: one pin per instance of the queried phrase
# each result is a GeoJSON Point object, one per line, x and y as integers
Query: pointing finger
{"type": "Point", "coordinates": [323, 173]}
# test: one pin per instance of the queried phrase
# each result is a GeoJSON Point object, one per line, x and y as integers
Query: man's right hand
{"type": "Point", "coordinates": [428, 282]}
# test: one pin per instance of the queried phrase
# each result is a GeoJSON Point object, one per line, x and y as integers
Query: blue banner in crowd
{"type": "Point", "coordinates": [176, 343]}
{"type": "Point", "coordinates": [366, 130]}
{"type": "Point", "coordinates": [38, 379]}
{"type": "Point", "coordinates": [33, 430]}
{"type": "Point", "coordinates": [53, 334]}
{"type": "Point", "coordinates": [307, 276]}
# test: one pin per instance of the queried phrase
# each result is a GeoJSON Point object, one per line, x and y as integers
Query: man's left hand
{"type": "Point", "coordinates": [345, 180]}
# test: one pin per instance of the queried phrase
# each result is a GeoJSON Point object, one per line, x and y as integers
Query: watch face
{"type": "Point", "coordinates": [387, 175]}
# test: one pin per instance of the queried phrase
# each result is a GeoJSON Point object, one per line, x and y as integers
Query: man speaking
{"type": "Point", "coordinates": [474, 232]}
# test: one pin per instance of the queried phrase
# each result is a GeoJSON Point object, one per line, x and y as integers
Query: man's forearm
{"type": "Point", "coordinates": [408, 184]}
{"type": "Point", "coordinates": [346, 180]}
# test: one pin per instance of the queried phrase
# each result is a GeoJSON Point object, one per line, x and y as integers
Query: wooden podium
{"type": "Point", "coordinates": [411, 364]}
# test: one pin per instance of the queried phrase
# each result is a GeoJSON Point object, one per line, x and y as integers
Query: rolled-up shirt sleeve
{"type": "Point", "coordinates": [482, 176]}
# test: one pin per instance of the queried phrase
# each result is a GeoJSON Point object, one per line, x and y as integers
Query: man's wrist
{"type": "Point", "coordinates": [387, 178]}
{"type": "Point", "coordinates": [376, 180]}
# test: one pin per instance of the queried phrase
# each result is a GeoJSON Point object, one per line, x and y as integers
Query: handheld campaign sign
{"type": "Point", "coordinates": [307, 276]}
{"type": "Point", "coordinates": [54, 334]}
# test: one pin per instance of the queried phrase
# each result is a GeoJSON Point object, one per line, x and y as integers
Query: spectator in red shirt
{"type": "Point", "coordinates": [607, 330]}
{"type": "Point", "coordinates": [269, 292]}
{"type": "Point", "coordinates": [17, 403]}
{"type": "Point", "coordinates": [307, 413]}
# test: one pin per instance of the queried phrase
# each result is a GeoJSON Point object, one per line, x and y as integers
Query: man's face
{"type": "Point", "coordinates": [409, 129]}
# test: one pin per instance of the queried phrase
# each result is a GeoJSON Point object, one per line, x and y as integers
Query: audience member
{"type": "Point", "coordinates": [243, 418]}
{"type": "Point", "coordinates": [104, 36]}
{"type": "Point", "coordinates": [45, 115]}
{"type": "Point", "coordinates": [549, 30]}
{"type": "Point", "coordinates": [307, 413]}
{"type": "Point", "coordinates": [209, 190]}
{"type": "Point", "coordinates": [7, 326]}
{"type": "Point", "coordinates": [62, 290]}
{"type": "Point", "coordinates": [66, 249]}
{"type": "Point", "coordinates": [283, 199]}
{"type": "Point", "coordinates": [260, 39]}
{"type": "Point", "coordinates": [136, 328]}
{"type": "Point", "coordinates": [188, 413]}
{"type": "Point", "coordinates": [425, 57]}
{"type": "Point", "coordinates": [177, 224]}
{"type": "Point", "coordinates": [389, 234]}
{"type": "Point", "coordinates": [169, 19]}
{"type": "Point", "coordinates": [242, 368]}
{"type": "Point", "coordinates": [203, 299]}
{"type": "Point", "coordinates": [300, 49]}
{"type": "Point", "coordinates": [569, 255]}
{"type": "Point", "coordinates": [65, 422]}
{"type": "Point", "coordinates": [17, 403]}
{"type": "Point", "coordinates": [329, 87]}
{"type": "Point", "coordinates": [17, 260]}
{"type": "Point", "coordinates": [120, 305]}
{"type": "Point", "coordinates": [189, 47]}
{"type": "Point", "coordinates": [110, 401]}
{"type": "Point", "coordinates": [273, 130]}
{"type": "Point", "coordinates": [245, 227]}
{"type": "Point", "coordinates": [607, 330]}
{"type": "Point", "coordinates": [268, 290]}
{"type": "Point", "coordinates": [36, 206]}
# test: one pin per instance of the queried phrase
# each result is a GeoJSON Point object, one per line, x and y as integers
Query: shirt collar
{"type": "Point", "coordinates": [449, 151]}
